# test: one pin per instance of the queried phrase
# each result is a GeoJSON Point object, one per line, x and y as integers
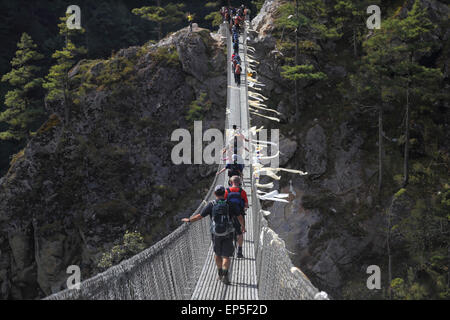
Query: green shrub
{"type": "Point", "coordinates": [169, 55]}
{"type": "Point", "coordinates": [197, 108]}
{"type": "Point", "coordinates": [132, 244]}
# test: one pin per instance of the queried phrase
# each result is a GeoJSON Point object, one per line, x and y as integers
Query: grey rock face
{"type": "Point", "coordinates": [316, 151]}
{"type": "Point", "coordinates": [287, 149]}
{"type": "Point", "coordinates": [323, 246]}
{"type": "Point", "coordinates": [75, 191]}
{"type": "Point", "coordinates": [193, 57]}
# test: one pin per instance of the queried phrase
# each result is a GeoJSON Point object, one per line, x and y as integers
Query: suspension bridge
{"type": "Point", "coordinates": [181, 266]}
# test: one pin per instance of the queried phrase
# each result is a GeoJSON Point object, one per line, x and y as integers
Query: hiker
{"type": "Point", "coordinates": [235, 144]}
{"type": "Point", "coordinates": [222, 230]}
{"type": "Point", "coordinates": [239, 136]}
{"type": "Point", "coordinates": [224, 14]}
{"type": "Point", "coordinates": [236, 47]}
{"type": "Point", "coordinates": [247, 13]}
{"type": "Point", "coordinates": [232, 11]}
{"type": "Point", "coordinates": [241, 11]}
{"type": "Point", "coordinates": [237, 197]}
{"type": "Point", "coordinates": [229, 16]}
{"type": "Point", "coordinates": [190, 17]}
{"type": "Point", "coordinates": [237, 74]}
{"type": "Point", "coordinates": [236, 35]}
{"type": "Point", "coordinates": [236, 57]}
{"type": "Point", "coordinates": [235, 168]}
{"type": "Point", "coordinates": [237, 22]}
{"type": "Point", "coordinates": [238, 19]}
{"type": "Point", "coordinates": [233, 65]}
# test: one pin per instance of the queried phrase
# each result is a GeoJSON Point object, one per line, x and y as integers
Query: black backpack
{"type": "Point", "coordinates": [221, 222]}
{"type": "Point", "coordinates": [235, 170]}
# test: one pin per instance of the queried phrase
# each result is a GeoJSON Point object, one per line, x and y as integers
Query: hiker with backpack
{"type": "Point", "coordinates": [222, 215]}
{"type": "Point", "coordinates": [238, 58]}
{"type": "Point", "coordinates": [235, 168]}
{"type": "Point", "coordinates": [235, 37]}
{"type": "Point", "coordinates": [237, 197]}
{"type": "Point", "coordinates": [235, 59]}
{"type": "Point", "coordinates": [237, 74]}
{"type": "Point", "coordinates": [237, 23]}
{"type": "Point", "coordinates": [234, 29]}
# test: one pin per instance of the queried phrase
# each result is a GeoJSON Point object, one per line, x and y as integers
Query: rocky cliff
{"type": "Point", "coordinates": [74, 191]}
{"type": "Point", "coordinates": [334, 226]}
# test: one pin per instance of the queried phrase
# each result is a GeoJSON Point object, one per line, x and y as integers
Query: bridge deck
{"type": "Point", "coordinates": [242, 271]}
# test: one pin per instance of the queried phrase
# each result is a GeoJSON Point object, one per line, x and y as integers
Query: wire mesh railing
{"type": "Point", "coordinates": [167, 270]}
{"type": "Point", "coordinates": [277, 277]}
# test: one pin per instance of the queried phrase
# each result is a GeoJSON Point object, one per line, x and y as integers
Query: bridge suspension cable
{"type": "Point", "coordinates": [180, 266]}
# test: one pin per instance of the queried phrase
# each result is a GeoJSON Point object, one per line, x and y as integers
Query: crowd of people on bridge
{"type": "Point", "coordinates": [235, 17]}
{"type": "Point", "coordinates": [227, 211]}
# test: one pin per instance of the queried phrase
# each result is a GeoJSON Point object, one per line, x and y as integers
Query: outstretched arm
{"type": "Point", "coordinates": [223, 169]}
{"type": "Point", "coordinates": [193, 219]}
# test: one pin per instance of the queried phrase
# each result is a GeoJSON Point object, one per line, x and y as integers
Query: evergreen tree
{"type": "Point", "coordinates": [349, 17]}
{"type": "Point", "coordinates": [214, 16]}
{"type": "Point", "coordinates": [418, 81]}
{"type": "Point", "coordinates": [374, 79]}
{"type": "Point", "coordinates": [170, 14]}
{"type": "Point", "coordinates": [302, 72]}
{"type": "Point", "coordinates": [24, 102]}
{"type": "Point", "coordinates": [258, 4]}
{"type": "Point", "coordinates": [305, 19]}
{"type": "Point", "coordinates": [57, 80]}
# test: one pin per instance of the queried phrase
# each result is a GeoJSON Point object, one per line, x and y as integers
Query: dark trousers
{"type": "Point", "coordinates": [237, 79]}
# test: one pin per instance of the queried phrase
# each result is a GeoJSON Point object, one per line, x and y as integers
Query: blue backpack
{"type": "Point", "coordinates": [235, 200]}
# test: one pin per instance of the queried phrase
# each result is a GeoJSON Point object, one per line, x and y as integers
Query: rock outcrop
{"type": "Point", "coordinates": [331, 225]}
{"type": "Point", "coordinates": [75, 190]}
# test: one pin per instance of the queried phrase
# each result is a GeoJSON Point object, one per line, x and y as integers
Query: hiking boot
{"type": "Point", "coordinates": [225, 279]}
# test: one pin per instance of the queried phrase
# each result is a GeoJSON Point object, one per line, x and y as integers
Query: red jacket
{"type": "Point", "coordinates": [243, 194]}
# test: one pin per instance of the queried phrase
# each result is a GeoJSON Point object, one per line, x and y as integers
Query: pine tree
{"type": "Point", "coordinates": [24, 102]}
{"type": "Point", "coordinates": [374, 79]}
{"type": "Point", "coordinates": [57, 80]}
{"type": "Point", "coordinates": [419, 82]}
{"type": "Point", "coordinates": [349, 17]}
{"type": "Point", "coordinates": [170, 14]}
{"type": "Point", "coordinates": [302, 72]}
{"type": "Point", "coordinates": [214, 16]}
{"type": "Point", "coordinates": [304, 19]}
